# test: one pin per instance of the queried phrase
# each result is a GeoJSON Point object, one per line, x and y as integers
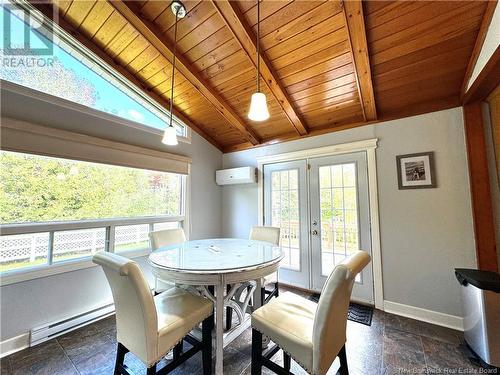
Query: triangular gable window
{"type": "Point", "coordinates": [50, 61]}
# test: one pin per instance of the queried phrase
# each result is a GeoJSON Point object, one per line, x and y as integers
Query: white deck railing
{"type": "Point", "coordinates": [64, 240]}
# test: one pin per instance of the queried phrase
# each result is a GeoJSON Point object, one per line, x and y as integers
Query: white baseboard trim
{"type": "Point", "coordinates": [429, 316]}
{"type": "Point", "coordinates": [14, 344]}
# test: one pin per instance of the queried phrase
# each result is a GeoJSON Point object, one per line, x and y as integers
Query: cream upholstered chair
{"type": "Point", "coordinates": [272, 235]}
{"type": "Point", "coordinates": [161, 238]}
{"type": "Point", "coordinates": [151, 326]}
{"type": "Point", "coordinates": [312, 334]}
{"type": "Point", "coordinates": [166, 237]}
{"type": "Point", "coordinates": [267, 234]}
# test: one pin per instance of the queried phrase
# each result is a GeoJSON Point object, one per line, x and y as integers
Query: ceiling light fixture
{"type": "Point", "coordinates": [170, 135]}
{"type": "Point", "coordinates": [258, 104]}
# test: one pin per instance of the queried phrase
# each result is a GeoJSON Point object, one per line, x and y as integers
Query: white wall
{"type": "Point", "coordinates": [490, 44]}
{"type": "Point", "coordinates": [425, 233]}
{"type": "Point", "coordinates": [26, 305]}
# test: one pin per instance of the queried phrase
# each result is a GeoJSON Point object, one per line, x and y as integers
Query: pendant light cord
{"type": "Point", "coordinates": [258, 45]}
{"type": "Point", "coordinates": [173, 68]}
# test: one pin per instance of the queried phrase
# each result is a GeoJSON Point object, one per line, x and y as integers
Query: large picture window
{"type": "Point", "coordinates": [55, 210]}
{"type": "Point", "coordinates": [38, 189]}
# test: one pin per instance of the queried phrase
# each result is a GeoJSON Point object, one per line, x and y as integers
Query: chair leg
{"type": "Point", "coordinates": [256, 352]}
{"type": "Point", "coordinates": [270, 294]}
{"type": "Point", "coordinates": [287, 361]}
{"type": "Point", "coordinates": [344, 370]}
{"type": "Point", "coordinates": [151, 370]}
{"type": "Point", "coordinates": [178, 350]}
{"type": "Point", "coordinates": [120, 358]}
{"type": "Point", "coordinates": [229, 312]}
{"type": "Point", "coordinates": [206, 329]}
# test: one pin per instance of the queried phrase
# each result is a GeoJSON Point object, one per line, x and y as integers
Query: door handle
{"type": "Point", "coordinates": [314, 232]}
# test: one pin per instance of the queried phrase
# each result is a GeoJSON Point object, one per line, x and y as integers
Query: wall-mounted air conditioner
{"type": "Point", "coordinates": [243, 175]}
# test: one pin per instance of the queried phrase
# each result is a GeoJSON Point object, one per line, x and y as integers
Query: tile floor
{"type": "Point", "coordinates": [391, 345]}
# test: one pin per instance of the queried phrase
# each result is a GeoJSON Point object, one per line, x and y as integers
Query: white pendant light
{"type": "Point", "coordinates": [170, 135]}
{"type": "Point", "coordinates": [258, 107]}
{"type": "Point", "coordinates": [258, 104]}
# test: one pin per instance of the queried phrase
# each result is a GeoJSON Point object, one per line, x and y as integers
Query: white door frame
{"type": "Point", "coordinates": [369, 146]}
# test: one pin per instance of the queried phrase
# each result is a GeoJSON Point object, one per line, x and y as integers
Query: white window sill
{"type": "Point", "coordinates": [19, 276]}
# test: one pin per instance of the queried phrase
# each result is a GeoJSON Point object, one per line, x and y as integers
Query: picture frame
{"type": "Point", "coordinates": [416, 171]}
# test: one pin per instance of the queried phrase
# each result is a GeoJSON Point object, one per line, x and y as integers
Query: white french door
{"type": "Point", "coordinates": [340, 218]}
{"type": "Point", "coordinates": [322, 207]}
{"type": "Point", "coordinates": [285, 202]}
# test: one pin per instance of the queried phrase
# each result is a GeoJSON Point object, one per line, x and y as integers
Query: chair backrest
{"type": "Point", "coordinates": [136, 319]}
{"type": "Point", "coordinates": [267, 234]}
{"type": "Point", "coordinates": [329, 332]}
{"type": "Point", "coordinates": [166, 237]}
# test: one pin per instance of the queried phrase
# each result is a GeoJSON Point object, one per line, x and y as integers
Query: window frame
{"type": "Point", "coordinates": [80, 52]}
{"type": "Point", "coordinates": [50, 268]}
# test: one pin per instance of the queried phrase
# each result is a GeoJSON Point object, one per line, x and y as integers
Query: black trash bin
{"type": "Point", "coordinates": [481, 308]}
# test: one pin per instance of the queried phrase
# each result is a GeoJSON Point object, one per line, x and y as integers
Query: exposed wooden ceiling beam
{"type": "Point", "coordinates": [486, 81]}
{"type": "Point", "coordinates": [480, 191]}
{"type": "Point", "coordinates": [481, 35]}
{"type": "Point", "coordinates": [152, 33]}
{"type": "Point", "coordinates": [234, 19]}
{"type": "Point", "coordinates": [48, 11]}
{"type": "Point", "coordinates": [353, 11]}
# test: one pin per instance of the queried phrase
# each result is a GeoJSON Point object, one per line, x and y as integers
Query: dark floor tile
{"type": "Point", "coordinates": [135, 364]}
{"type": "Point", "coordinates": [401, 323]}
{"type": "Point", "coordinates": [422, 328]}
{"type": "Point", "coordinates": [378, 321]}
{"type": "Point", "coordinates": [5, 367]}
{"type": "Point", "coordinates": [193, 366]}
{"type": "Point", "coordinates": [46, 358]}
{"type": "Point", "coordinates": [278, 359]}
{"type": "Point", "coordinates": [448, 358]}
{"type": "Point", "coordinates": [235, 361]}
{"type": "Point", "coordinates": [439, 333]}
{"type": "Point", "coordinates": [295, 367]}
{"type": "Point", "coordinates": [107, 326]}
{"type": "Point", "coordinates": [364, 348]}
{"type": "Point", "coordinates": [243, 343]}
{"type": "Point", "coordinates": [98, 360]}
{"type": "Point", "coordinates": [80, 344]}
{"type": "Point", "coordinates": [38, 353]}
{"type": "Point", "coordinates": [403, 352]}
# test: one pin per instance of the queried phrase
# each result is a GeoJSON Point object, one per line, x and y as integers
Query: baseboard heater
{"type": "Point", "coordinates": [51, 330]}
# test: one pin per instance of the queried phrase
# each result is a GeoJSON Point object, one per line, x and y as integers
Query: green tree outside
{"type": "Point", "coordinates": [40, 189]}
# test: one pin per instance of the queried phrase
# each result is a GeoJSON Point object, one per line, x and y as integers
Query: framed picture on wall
{"type": "Point", "coordinates": [416, 171]}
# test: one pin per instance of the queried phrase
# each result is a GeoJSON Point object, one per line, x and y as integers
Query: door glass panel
{"type": "Point", "coordinates": [339, 215]}
{"type": "Point", "coordinates": [285, 214]}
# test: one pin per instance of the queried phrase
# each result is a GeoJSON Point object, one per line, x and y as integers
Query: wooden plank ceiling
{"type": "Point", "coordinates": [325, 66]}
{"type": "Point", "coordinates": [419, 52]}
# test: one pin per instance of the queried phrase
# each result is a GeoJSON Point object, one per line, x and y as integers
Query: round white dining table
{"type": "Point", "coordinates": [217, 263]}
